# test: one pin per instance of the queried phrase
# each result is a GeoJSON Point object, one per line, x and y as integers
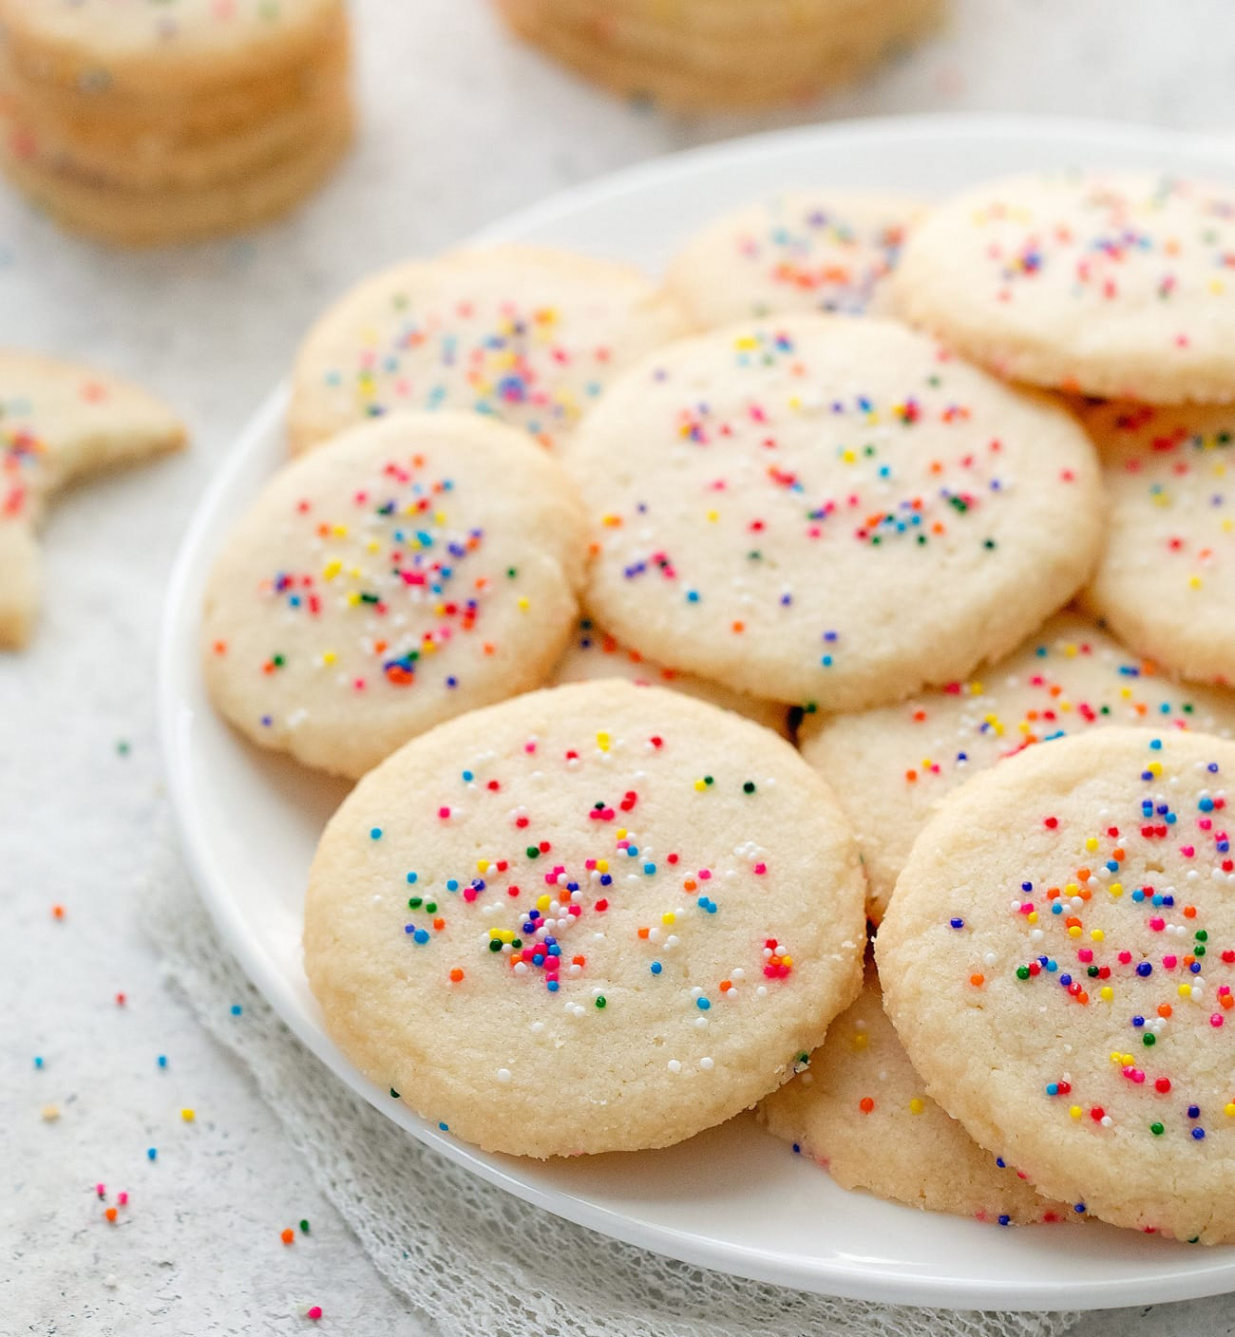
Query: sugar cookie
{"type": "Point", "coordinates": [594, 654]}
{"type": "Point", "coordinates": [1109, 284]}
{"type": "Point", "coordinates": [1058, 961]}
{"type": "Point", "coordinates": [892, 767]}
{"type": "Point", "coordinates": [804, 250]}
{"type": "Point", "coordinates": [526, 334]}
{"type": "Point", "coordinates": [829, 511]}
{"type": "Point", "coordinates": [1166, 579]}
{"type": "Point", "coordinates": [858, 1108]}
{"type": "Point", "coordinates": [58, 423]}
{"type": "Point", "coordinates": [596, 918]}
{"type": "Point", "coordinates": [390, 582]}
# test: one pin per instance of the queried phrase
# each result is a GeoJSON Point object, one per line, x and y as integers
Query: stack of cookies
{"type": "Point", "coordinates": [696, 55]}
{"type": "Point", "coordinates": [894, 549]}
{"type": "Point", "coordinates": [144, 124]}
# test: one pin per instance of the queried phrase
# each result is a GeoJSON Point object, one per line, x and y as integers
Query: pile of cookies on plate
{"type": "Point", "coordinates": [143, 123]}
{"type": "Point", "coordinates": [938, 495]}
{"type": "Point", "coordinates": [695, 55]}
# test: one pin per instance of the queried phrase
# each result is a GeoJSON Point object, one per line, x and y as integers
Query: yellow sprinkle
{"type": "Point", "coordinates": [1154, 768]}
{"type": "Point", "coordinates": [668, 918]}
{"type": "Point", "coordinates": [524, 604]}
{"type": "Point", "coordinates": [1116, 889]}
{"type": "Point", "coordinates": [602, 865]}
{"type": "Point", "coordinates": [1106, 993]}
{"type": "Point", "coordinates": [1074, 931]}
{"type": "Point", "coordinates": [602, 741]}
{"type": "Point", "coordinates": [917, 1105]}
{"type": "Point", "coordinates": [849, 456]}
{"type": "Point", "coordinates": [1217, 287]}
{"type": "Point", "coordinates": [482, 865]}
{"type": "Point", "coordinates": [1032, 916]}
{"type": "Point", "coordinates": [786, 960]}
{"type": "Point", "coordinates": [353, 598]}
{"type": "Point", "coordinates": [1116, 1056]}
{"type": "Point", "coordinates": [701, 785]}
{"type": "Point", "coordinates": [611, 520]}
{"type": "Point", "coordinates": [1065, 706]}
{"type": "Point", "coordinates": [373, 545]}
{"type": "Point", "coordinates": [1076, 1111]}
{"type": "Point", "coordinates": [1097, 935]}
{"type": "Point", "coordinates": [1185, 991]}
{"type": "Point", "coordinates": [713, 516]}
{"type": "Point", "coordinates": [1091, 844]}
{"type": "Point", "coordinates": [1229, 1109]}
{"type": "Point", "coordinates": [188, 1115]}
{"type": "Point", "coordinates": [975, 689]}
{"type": "Point", "coordinates": [746, 342]}
{"type": "Point", "coordinates": [329, 657]}
{"type": "Point", "coordinates": [1072, 889]}
{"type": "Point", "coordinates": [332, 569]}
{"type": "Point", "coordinates": [354, 572]}
{"type": "Point", "coordinates": [543, 902]}
{"type": "Point", "coordinates": [996, 724]}
{"type": "Point", "coordinates": [1070, 650]}
{"type": "Point", "coordinates": [339, 531]}
{"type": "Point", "coordinates": [440, 517]}
{"type": "Point", "coordinates": [1194, 582]}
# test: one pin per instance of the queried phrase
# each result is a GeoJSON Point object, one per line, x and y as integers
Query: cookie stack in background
{"type": "Point", "coordinates": [143, 124]}
{"type": "Point", "coordinates": [697, 55]}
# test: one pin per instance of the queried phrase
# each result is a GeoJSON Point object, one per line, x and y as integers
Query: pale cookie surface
{"type": "Point", "coordinates": [596, 918]}
{"type": "Point", "coordinates": [526, 334]}
{"type": "Point", "coordinates": [1166, 580]}
{"type": "Point", "coordinates": [892, 767]}
{"type": "Point", "coordinates": [58, 423]}
{"type": "Point", "coordinates": [813, 250]}
{"type": "Point", "coordinates": [137, 45]}
{"type": "Point", "coordinates": [859, 1109]}
{"type": "Point", "coordinates": [1115, 285]}
{"type": "Point", "coordinates": [594, 654]}
{"type": "Point", "coordinates": [830, 511]}
{"type": "Point", "coordinates": [391, 582]}
{"type": "Point", "coordinates": [1058, 960]}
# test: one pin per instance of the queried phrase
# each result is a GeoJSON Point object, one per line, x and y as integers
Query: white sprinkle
{"type": "Point", "coordinates": [503, 1074]}
{"type": "Point", "coordinates": [706, 1064]}
{"type": "Point", "coordinates": [674, 1065]}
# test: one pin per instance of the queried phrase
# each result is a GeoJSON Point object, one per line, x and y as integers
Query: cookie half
{"type": "Point", "coordinates": [893, 766]}
{"type": "Point", "coordinates": [1113, 284]}
{"type": "Point", "coordinates": [1058, 960]}
{"type": "Point", "coordinates": [804, 250]}
{"type": "Point", "coordinates": [525, 334]}
{"type": "Point", "coordinates": [1166, 579]}
{"type": "Point", "coordinates": [390, 582]}
{"type": "Point", "coordinates": [596, 918]}
{"type": "Point", "coordinates": [858, 1108]}
{"type": "Point", "coordinates": [830, 512]}
{"type": "Point", "coordinates": [60, 422]}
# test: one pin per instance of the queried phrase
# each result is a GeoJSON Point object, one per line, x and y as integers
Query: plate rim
{"type": "Point", "coordinates": [843, 1277]}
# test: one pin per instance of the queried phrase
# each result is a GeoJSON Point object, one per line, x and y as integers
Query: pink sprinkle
{"type": "Point", "coordinates": [315, 1313]}
{"type": "Point", "coordinates": [101, 1190]}
{"type": "Point", "coordinates": [1170, 962]}
{"type": "Point", "coordinates": [1124, 958]}
{"type": "Point", "coordinates": [760, 869]}
{"type": "Point", "coordinates": [443, 813]}
{"type": "Point", "coordinates": [123, 1198]}
{"type": "Point", "coordinates": [1187, 851]}
{"type": "Point", "coordinates": [1216, 1020]}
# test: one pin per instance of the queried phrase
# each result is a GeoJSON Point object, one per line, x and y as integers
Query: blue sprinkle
{"type": "Point", "coordinates": [236, 1009]}
{"type": "Point", "coordinates": [421, 936]}
{"type": "Point", "coordinates": [152, 1153]}
{"type": "Point", "coordinates": [656, 967]}
{"type": "Point", "coordinates": [376, 833]}
{"type": "Point", "coordinates": [162, 1060]}
{"type": "Point", "coordinates": [411, 877]}
{"type": "Point", "coordinates": [957, 923]}
{"type": "Point", "coordinates": [1144, 969]}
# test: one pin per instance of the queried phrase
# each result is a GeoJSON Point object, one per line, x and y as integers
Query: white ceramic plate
{"type": "Point", "coordinates": [732, 1199]}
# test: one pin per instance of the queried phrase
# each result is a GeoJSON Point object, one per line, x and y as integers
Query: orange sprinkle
{"type": "Point", "coordinates": [288, 1235]}
{"type": "Point", "coordinates": [1189, 911]}
{"type": "Point", "coordinates": [439, 923]}
{"type": "Point", "coordinates": [739, 626]}
{"type": "Point", "coordinates": [57, 911]}
{"type": "Point", "coordinates": [977, 981]}
{"type": "Point", "coordinates": [726, 985]}
{"type": "Point", "coordinates": [111, 1214]}
{"type": "Point", "coordinates": [911, 776]}
{"type": "Point", "coordinates": [1164, 1010]}
{"type": "Point", "coordinates": [866, 1104]}
{"type": "Point", "coordinates": [220, 647]}
{"type": "Point", "coordinates": [456, 976]}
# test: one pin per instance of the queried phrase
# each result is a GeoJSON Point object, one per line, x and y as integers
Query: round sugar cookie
{"type": "Point", "coordinates": [1166, 578]}
{"type": "Point", "coordinates": [858, 1108]}
{"type": "Point", "coordinates": [1058, 960]}
{"type": "Point", "coordinates": [1112, 284]}
{"type": "Point", "coordinates": [594, 654]}
{"type": "Point", "coordinates": [129, 46]}
{"type": "Point", "coordinates": [829, 511]}
{"type": "Point", "coordinates": [416, 569]}
{"type": "Point", "coordinates": [526, 334]}
{"type": "Point", "coordinates": [595, 918]}
{"type": "Point", "coordinates": [891, 767]}
{"type": "Point", "coordinates": [128, 217]}
{"type": "Point", "coordinates": [804, 250]}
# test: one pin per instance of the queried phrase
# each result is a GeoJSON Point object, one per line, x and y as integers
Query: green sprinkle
{"type": "Point", "coordinates": [600, 1002]}
{"type": "Point", "coordinates": [304, 1227]}
{"type": "Point", "coordinates": [1149, 1039]}
{"type": "Point", "coordinates": [415, 903]}
{"type": "Point", "coordinates": [533, 851]}
{"type": "Point", "coordinates": [1022, 972]}
{"type": "Point", "coordinates": [748, 787]}
{"type": "Point", "coordinates": [1157, 1129]}
{"type": "Point", "coordinates": [394, 1095]}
